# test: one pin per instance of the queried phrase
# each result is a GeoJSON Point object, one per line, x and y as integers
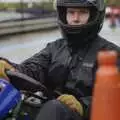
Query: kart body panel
{"type": "Point", "coordinates": [9, 97]}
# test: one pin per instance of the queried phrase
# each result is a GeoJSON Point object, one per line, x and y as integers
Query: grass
{"type": "Point", "coordinates": [44, 5]}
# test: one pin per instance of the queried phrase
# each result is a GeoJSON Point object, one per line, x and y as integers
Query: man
{"type": "Point", "coordinates": [68, 64]}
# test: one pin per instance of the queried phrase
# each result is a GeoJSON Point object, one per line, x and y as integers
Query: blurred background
{"type": "Point", "coordinates": [26, 26]}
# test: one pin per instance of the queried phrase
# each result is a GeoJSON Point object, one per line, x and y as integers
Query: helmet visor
{"type": "Point", "coordinates": [99, 4]}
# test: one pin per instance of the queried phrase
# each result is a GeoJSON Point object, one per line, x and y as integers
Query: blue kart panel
{"type": "Point", "coordinates": [9, 97]}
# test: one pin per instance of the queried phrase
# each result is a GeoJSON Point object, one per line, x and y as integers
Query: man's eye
{"type": "Point", "coordinates": [70, 12]}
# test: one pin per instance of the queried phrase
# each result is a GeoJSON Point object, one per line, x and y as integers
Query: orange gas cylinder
{"type": "Point", "coordinates": [106, 92]}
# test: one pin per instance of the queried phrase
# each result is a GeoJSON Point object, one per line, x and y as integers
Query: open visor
{"type": "Point", "coordinates": [99, 4]}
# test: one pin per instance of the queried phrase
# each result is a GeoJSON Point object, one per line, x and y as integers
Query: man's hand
{"type": "Point", "coordinates": [4, 65]}
{"type": "Point", "coordinates": [71, 102]}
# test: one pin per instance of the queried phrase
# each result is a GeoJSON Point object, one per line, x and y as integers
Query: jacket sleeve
{"type": "Point", "coordinates": [36, 66]}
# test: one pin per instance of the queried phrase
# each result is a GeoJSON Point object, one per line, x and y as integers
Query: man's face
{"type": "Point", "coordinates": [77, 16]}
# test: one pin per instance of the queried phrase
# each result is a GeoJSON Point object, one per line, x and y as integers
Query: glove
{"type": "Point", "coordinates": [71, 102]}
{"type": "Point", "coordinates": [4, 65]}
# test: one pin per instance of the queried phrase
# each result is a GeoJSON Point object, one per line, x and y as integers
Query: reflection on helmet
{"type": "Point", "coordinates": [83, 32]}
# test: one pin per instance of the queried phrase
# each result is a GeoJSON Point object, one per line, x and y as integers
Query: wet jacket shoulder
{"type": "Point", "coordinates": [112, 46]}
{"type": "Point", "coordinates": [37, 66]}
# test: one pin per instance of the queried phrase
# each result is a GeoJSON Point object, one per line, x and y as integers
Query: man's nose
{"type": "Point", "coordinates": [76, 16]}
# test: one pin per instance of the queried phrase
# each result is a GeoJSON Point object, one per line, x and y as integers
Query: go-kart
{"type": "Point", "coordinates": [18, 104]}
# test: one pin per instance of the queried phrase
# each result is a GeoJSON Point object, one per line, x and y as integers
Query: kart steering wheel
{"type": "Point", "coordinates": [31, 103]}
{"type": "Point", "coordinates": [32, 85]}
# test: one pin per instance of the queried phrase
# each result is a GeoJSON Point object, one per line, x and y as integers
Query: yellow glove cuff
{"type": "Point", "coordinates": [80, 108]}
{"type": "Point", "coordinates": [3, 66]}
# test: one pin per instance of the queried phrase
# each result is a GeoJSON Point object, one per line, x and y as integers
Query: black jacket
{"type": "Point", "coordinates": [58, 67]}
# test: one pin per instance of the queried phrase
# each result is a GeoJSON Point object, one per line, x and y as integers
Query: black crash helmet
{"type": "Point", "coordinates": [94, 25]}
